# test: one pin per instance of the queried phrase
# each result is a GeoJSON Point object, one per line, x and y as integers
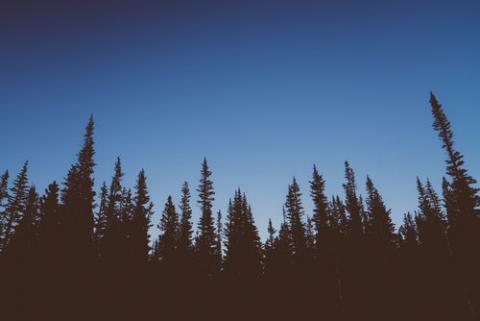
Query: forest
{"type": "Point", "coordinates": [72, 252]}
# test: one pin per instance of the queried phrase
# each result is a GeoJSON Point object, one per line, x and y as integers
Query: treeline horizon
{"type": "Point", "coordinates": [72, 253]}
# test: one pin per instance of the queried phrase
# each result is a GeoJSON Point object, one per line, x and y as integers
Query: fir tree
{"type": "Point", "coordinates": [380, 228]}
{"type": "Point", "coordinates": [16, 205]}
{"type": "Point", "coordinates": [320, 209]}
{"type": "Point", "coordinates": [352, 204]}
{"type": "Point", "coordinates": [294, 212]}
{"type": "Point", "coordinates": [185, 238]}
{"type": "Point", "coordinates": [206, 242]}
{"type": "Point", "coordinates": [167, 241]}
{"type": "Point", "coordinates": [142, 213]}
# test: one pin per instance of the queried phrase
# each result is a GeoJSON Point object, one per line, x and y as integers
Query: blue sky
{"type": "Point", "coordinates": [263, 89]}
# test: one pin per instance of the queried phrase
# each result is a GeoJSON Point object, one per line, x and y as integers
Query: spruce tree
{"type": "Point", "coordinates": [142, 213]}
{"type": "Point", "coordinates": [16, 205]}
{"type": "Point", "coordinates": [294, 212]}
{"type": "Point", "coordinates": [111, 245]}
{"type": "Point", "coordinates": [78, 199]}
{"type": "Point", "coordinates": [380, 229]}
{"type": "Point", "coordinates": [320, 209]}
{"type": "Point", "coordinates": [352, 204]}
{"type": "Point", "coordinates": [24, 239]}
{"type": "Point", "coordinates": [206, 242]}
{"type": "Point", "coordinates": [50, 227]}
{"type": "Point", "coordinates": [185, 238]}
{"type": "Point", "coordinates": [461, 194]}
{"type": "Point", "coordinates": [242, 244]}
{"type": "Point", "coordinates": [168, 238]}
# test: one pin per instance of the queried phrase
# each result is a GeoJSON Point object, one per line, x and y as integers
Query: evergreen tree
{"type": "Point", "coordinates": [78, 198]}
{"type": "Point", "coordinates": [168, 239]}
{"type": "Point", "coordinates": [294, 212]}
{"type": "Point", "coordinates": [269, 250]}
{"type": "Point", "coordinates": [380, 228]}
{"type": "Point", "coordinates": [142, 212]}
{"type": "Point", "coordinates": [16, 205]}
{"type": "Point", "coordinates": [101, 217]}
{"type": "Point", "coordinates": [112, 240]}
{"type": "Point", "coordinates": [242, 244]}
{"type": "Point", "coordinates": [464, 195]}
{"type": "Point", "coordinates": [185, 238]}
{"type": "Point", "coordinates": [24, 238]}
{"type": "Point", "coordinates": [206, 242]}
{"type": "Point", "coordinates": [408, 232]}
{"type": "Point", "coordinates": [50, 227]}
{"type": "Point", "coordinates": [320, 209]}
{"type": "Point", "coordinates": [353, 205]}
{"type": "Point", "coordinates": [430, 219]}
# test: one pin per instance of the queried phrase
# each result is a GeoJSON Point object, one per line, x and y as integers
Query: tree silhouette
{"type": "Point", "coordinates": [342, 261]}
{"type": "Point", "coordinates": [16, 205]}
{"type": "Point", "coordinates": [206, 242]}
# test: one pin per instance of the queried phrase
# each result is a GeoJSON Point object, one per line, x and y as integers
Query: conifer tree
{"type": "Point", "coordinates": [168, 239]}
{"type": "Point", "coordinates": [380, 228]}
{"type": "Point", "coordinates": [206, 242]}
{"type": "Point", "coordinates": [112, 240]}
{"type": "Point", "coordinates": [185, 238]}
{"type": "Point", "coordinates": [242, 244]}
{"type": "Point", "coordinates": [408, 232]}
{"type": "Point", "coordinates": [142, 212]}
{"type": "Point", "coordinates": [352, 204]}
{"type": "Point", "coordinates": [78, 199]}
{"type": "Point", "coordinates": [101, 216]}
{"type": "Point", "coordinates": [294, 212]}
{"type": "Point", "coordinates": [460, 193]}
{"type": "Point", "coordinates": [24, 238]}
{"type": "Point", "coordinates": [320, 209]}
{"type": "Point", "coordinates": [16, 205]}
{"type": "Point", "coordinates": [269, 249]}
{"type": "Point", "coordinates": [50, 227]}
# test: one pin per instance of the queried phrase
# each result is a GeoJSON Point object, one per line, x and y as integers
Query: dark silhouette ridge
{"type": "Point", "coordinates": [66, 255]}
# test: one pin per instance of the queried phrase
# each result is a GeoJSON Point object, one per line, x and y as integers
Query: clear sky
{"type": "Point", "coordinates": [263, 89]}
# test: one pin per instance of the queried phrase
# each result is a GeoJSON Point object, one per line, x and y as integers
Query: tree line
{"type": "Point", "coordinates": [73, 253]}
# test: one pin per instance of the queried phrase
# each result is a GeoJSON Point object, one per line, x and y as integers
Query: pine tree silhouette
{"type": "Point", "coordinates": [16, 206]}
{"type": "Point", "coordinates": [206, 242]}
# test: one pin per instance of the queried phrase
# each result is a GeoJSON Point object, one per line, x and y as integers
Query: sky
{"type": "Point", "coordinates": [262, 89]}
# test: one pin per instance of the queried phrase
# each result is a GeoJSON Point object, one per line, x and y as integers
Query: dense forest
{"type": "Point", "coordinates": [75, 253]}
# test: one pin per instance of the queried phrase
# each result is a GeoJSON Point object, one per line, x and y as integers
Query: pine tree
{"type": "Point", "coordinates": [185, 238]}
{"type": "Point", "coordinates": [352, 204]}
{"type": "Point", "coordinates": [101, 217]}
{"type": "Point", "coordinates": [206, 242]}
{"type": "Point", "coordinates": [50, 227]}
{"type": "Point", "coordinates": [269, 250]}
{"type": "Point", "coordinates": [408, 232]}
{"type": "Point", "coordinates": [242, 244]}
{"type": "Point", "coordinates": [168, 239]}
{"type": "Point", "coordinates": [24, 238]}
{"type": "Point", "coordinates": [430, 219]}
{"type": "Point", "coordinates": [320, 210]}
{"type": "Point", "coordinates": [112, 240]}
{"type": "Point", "coordinates": [142, 213]}
{"type": "Point", "coordinates": [16, 205]}
{"type": "Point", "coordinates": [294, 212]}
{"type": "Point", "coordinates": [78, 199]}
{"type": "Point", "coordinates": [380, 229]}
{"type": "Point", "coordinates": [463, 196]}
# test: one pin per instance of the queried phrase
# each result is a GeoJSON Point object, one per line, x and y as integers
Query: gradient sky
{"type": "Point", "coordinates": [263, 89]}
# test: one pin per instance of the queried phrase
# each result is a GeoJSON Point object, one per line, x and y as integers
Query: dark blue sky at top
{"type": "Point", "coordinates": [263, 89]}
